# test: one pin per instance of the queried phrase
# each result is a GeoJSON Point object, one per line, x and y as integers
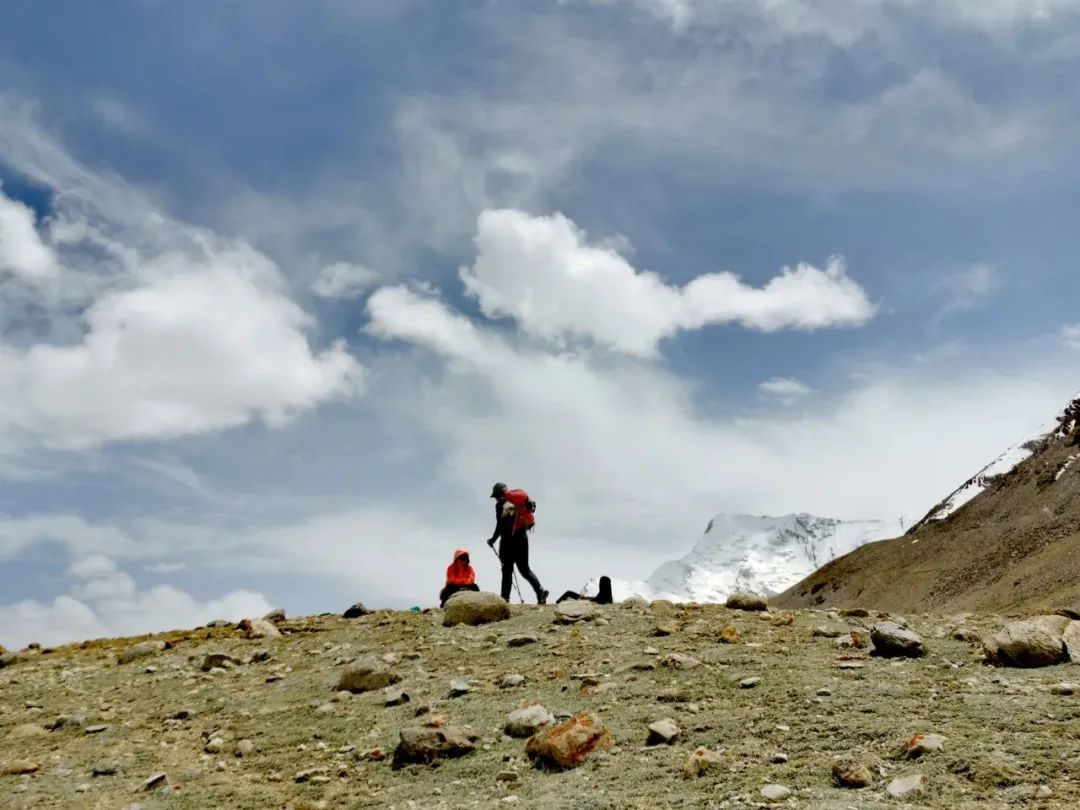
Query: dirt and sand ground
{"type": "Point", "coordinates": [1007, 735]}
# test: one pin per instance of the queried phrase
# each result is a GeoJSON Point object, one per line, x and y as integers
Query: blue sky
{"type": "Point", "coordinates": [284, 287]}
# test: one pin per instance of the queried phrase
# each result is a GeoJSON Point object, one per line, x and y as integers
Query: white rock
{"type": "Point", "coordinates": [906, 785]}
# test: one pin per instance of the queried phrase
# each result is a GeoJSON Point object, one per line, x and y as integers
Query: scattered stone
{"type": "Point", "coordinates": [395, 697]}
{"type": "Point", "coordinates": [1036, 642]}
{"type": "Point", "coordinates": [749, 683]}
{"type": "Point", "coordinates": [568, 745]}
{"type": "Point", "coordinates": [747, 601]}
{"type": "Point", "coordinates": [219, 623]}
{"type": "Point", "coordinates": [511, 680]}
{"type": "Point", "coordinates": [103, 770]}
{"type": "Point", "coordinates": [356, 611]}
{"type": "Point", "coordinates": [83, 788]}
{"type": "Point", "coordinates": [779, 758]}
{"type": "Point", "coordinates": [906, 785]}
{"type": "Point", "coordinates": [459, 687]}
{"type": "Point", "coordinates": [21, 767]}
{"type": "Point", "coordinates": [183, 714]}
{"type": "Point", "coordinates": [922, 744]}
{"type": "Point", "coordinates": [850, 665]}
{"type": "Point", "coordinates": [849, 772]}
{"type": "Point", "coordinates": [27, 731]}
{"type": "Point", "coordinates": [475, 608]}
{"type": "Point", "coordinates": [366, 675]}
{"type": "Point", "coordinates": [573, 611]}
{"type": "Point", "coordinates": [259, 657]}
{"type": "Point", "coordinates": [775, 793]}
{"type": "Point", "coordinates": [96, 729]}
{"type": "Point", "coordinates": [311, 774]}
{"type": "Point", "coordinates": [244, 748]}
{"type": "Point", "coordinates": [1065, 689]}
{"type": "Point", "coordinates": [829, 631]}
{"type": "Point", "coordinates": [424, 744]}
{"type": "Point", "coordinates": [701, 762]}
{"type": "Point", "coordinates": [856, 613]}
{"type": "Point", "coordinates": [785, 619]}
{"type": "Point", "coordinates": [824, 692]}
{"type": "Point", "coordinates": [527, 721]}
{"type": "Point", "coordinates": [276, 615]}
{"type": "Point", "coordinates": [852, 641]}
{"type": "Point", "coordinates": [650, 651]}
{"type": "Point", "coordinates": [257, 628]}
{"type": "Point", "coordinates": [522, 640]}
{"type": "Point", "coordinates": [142, 650]}
{"type": "Point", "coordinates": [1044, 792]}
{"type": "Point", "coordinates": [893, 641]}
{"type": "Point", "coordinates": [219, 660]}
{"type": "Point", "coordinates": [154, 781]}
{"type": "Point", "coordinates": [663, 732]}
{"type": "Point", "coordinates": [214, 746]}
{"type": "Point", "coordinates": [967, 634]}
{"type": "Point", "coordinates": [508, 776]}
{"type": "Point", "coordinates": [9, 659]}
{"type": "Point", "coordinates": [680, 661]}
{"type": "Point", "coordinates": [639, 602]}
{"type": "Point", "coordinates": [729, 634]}
{"type": "Point", "coordinates": [662, 630]}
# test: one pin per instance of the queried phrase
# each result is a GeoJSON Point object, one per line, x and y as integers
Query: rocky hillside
{"type": "Point", "coordinates": [625, 706]}
{"type": "Point", "coordinates": [1005, 541]}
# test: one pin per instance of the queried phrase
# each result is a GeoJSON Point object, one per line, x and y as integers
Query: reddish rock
{"type": "Point", "coordinates": [568, 745]}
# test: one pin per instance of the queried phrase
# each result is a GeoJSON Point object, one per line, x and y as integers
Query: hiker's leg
{"type": "Point", "coordinates": [506, 557]}
{"type": "Point", "coordinates": [523, 564]}
{"type": "Point", "coordinates": [445, 594]}
{"type": "Point", "coordinates": [568, 595]}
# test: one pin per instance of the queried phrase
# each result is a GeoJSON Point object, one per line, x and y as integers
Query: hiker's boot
{"type": "Point", "coordinates": [541, 598]}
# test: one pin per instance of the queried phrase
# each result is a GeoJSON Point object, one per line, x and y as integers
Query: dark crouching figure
{"type": "Point", "coordinates": [603, 595]}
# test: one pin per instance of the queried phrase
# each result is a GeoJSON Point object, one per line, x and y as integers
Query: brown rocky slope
{"type": "Point", "coordinates": [1012, 549]}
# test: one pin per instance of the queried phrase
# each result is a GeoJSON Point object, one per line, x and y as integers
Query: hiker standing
{"type": "Point", "coordinates": [513, 519]}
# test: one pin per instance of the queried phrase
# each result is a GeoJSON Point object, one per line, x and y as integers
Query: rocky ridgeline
{"type": "Point", "coordinates": [573, 705]}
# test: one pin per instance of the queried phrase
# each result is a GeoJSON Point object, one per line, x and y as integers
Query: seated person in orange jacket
{"type": "Point", "coordinates": [459, 577]}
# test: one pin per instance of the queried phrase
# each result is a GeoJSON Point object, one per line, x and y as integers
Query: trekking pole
{"type": "Point", "coordinates": [516, 586]}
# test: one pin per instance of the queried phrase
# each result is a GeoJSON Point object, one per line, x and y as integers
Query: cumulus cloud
{"type": "Point", "coordinates": [343, 280]}
{"type": "Point", "coordinates": [968, 288]}
{"type": "Point", "coordinates": [784, 389]}
{"type": "Point", "coordinates": [541, 271]}
{"type": "Point", "coordinates": [23, 251]}
{"type": "Point", "coordinates": [170, 330]}
{"type": "Point", "coordinates": [105, 601]}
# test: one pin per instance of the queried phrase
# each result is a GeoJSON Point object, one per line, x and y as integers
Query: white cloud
{"type": "Point", "coordinates": [542, 272]}
{"type": "Point", "coordinates": [166, 567]}
{"type": "Point", "coordinates": [344, 280]}
{"type": "Point", "coordinates": [105, 601]}
{"type": "Point", "coordinates": [1070, 335]}
{"type": "Point", "coordinates": [167, 330]}
{"type": "Point", "coordinates": [784, 389]}
{"type": "Point", "coordinates": [22, 249]}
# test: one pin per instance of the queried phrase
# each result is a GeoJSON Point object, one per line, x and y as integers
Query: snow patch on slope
{"type": "Point", "coordinates": [1063, 425]}
{"type": "Point", "coordinates": [759, 554]}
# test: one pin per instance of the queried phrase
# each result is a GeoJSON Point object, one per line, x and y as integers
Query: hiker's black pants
{"type": "Point", "coordinates": [450, 590]}
{"type": "Point", "coordinates": [514, 550]}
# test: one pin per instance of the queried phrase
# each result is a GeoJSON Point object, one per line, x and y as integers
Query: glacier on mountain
{"type": "Point", "coordinates": [752, 553]}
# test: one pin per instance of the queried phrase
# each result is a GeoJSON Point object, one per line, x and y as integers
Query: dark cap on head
{"type": "Point", "coordinates": [498, 490]}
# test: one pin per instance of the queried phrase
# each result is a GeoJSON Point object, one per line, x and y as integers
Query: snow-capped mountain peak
{"type": "Point", "coordinates": [754, 553]}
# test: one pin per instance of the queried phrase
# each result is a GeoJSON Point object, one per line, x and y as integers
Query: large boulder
{"type": "Point", "coordinates": [747, 601]}
{"type": "Point", "coordinates": [142, 650]}
{"type": "Point", "coordinates": [568, 744]}
{"type": "Point", "coordinates": [9, 659]}
{"type": "Point", "coordinates": [366, 675]}
{"type": "Point", "coordinates": [1037, 642]}
{"type": "Point", "coordinates": [276, 615]}
{"type": "Point", "coordinates": [893, 641]}
{"type": "Point", "coordinates": [423, 744]}
{"type": "Point", "coordinates": [475, 607]}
